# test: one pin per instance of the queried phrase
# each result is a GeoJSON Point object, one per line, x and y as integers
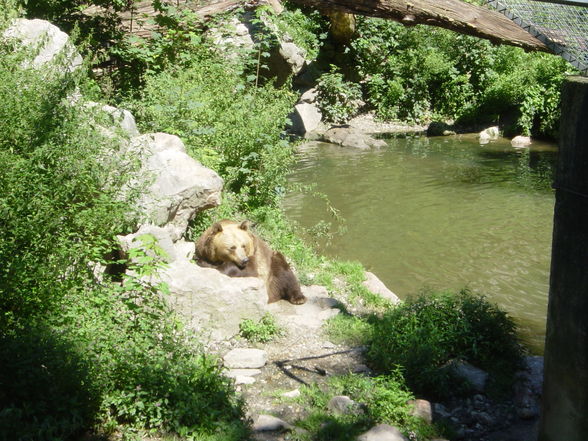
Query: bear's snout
{"type": "Point", "coordinates": [243, 263]}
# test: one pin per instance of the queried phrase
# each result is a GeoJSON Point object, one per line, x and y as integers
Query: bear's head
{"type": "Point", "coordinates": [231, 242]}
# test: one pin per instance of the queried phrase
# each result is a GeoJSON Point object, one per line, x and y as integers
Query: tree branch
{"type": "Point", "coordinates": [455, 15]}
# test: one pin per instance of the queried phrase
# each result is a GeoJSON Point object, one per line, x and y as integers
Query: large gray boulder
{"type": "Point", "coordinates": [211, 303]}
{"type": "Point", "coordinates": [50, 43]}
{"type": "Point", "coordinates": [176, 185]}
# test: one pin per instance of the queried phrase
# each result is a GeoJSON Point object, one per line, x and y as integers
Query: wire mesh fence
{"type": "Point", "coordinates": [561, 27]}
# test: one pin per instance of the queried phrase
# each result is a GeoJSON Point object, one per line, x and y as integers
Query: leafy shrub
{"type": "Point", "coordinates": [262, 331]}
{"type": "Point", "coordinates": [227, 124]}
{"type": "Point", "coordinates": [423, 73]}
{"type": "Point", "coordinates": [152, 374]}
{"type": "Point", "coordinates": [59, 202]}
{"type": "Point", "coordinates": [423, 335]}
{"type": "Point", "coordinates": [78, 352]}
{"type": "Point", "coordinates": [338, 99]}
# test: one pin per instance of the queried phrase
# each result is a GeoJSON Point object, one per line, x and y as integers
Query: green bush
{"type": "Point", "coordinates": [47, 391]}
{"type": "Point", "coordinates": [153, 374]}
{"type": "Point", "coordinates": [338, 100]}
{"type": "Point", "coordinates": [79, 351]}
{"type": "Point", "coordinates": [423, 73]}
{"type": "Point", "coordinates": [60, 205]}
{"type": "Point", "coordinates": [422, 336]}
{"type": "Point", "coordinates": [227, 124]}
{"type": "Point", "coordinates": [262, 331]}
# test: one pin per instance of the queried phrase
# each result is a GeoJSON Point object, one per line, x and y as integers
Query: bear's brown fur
{"type": "Point", "coordinates": [234, 250]}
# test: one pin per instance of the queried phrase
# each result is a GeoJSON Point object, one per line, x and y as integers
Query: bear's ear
{"type": "Point", "coordinates": [245, 225]}
{"type": "Point", "coordinates": [217, 228]}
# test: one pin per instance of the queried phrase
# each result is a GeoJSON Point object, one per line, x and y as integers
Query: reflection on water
{"type": "Point", "coordinates": [442, 213]}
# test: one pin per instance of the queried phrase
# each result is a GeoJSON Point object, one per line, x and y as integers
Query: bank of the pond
{"type": "Point", "coordinates": [440, 213]}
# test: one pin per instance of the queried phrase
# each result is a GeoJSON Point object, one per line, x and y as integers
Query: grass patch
{"type": "Point", "coordinates": [380, 400]}
{"type": "Point", "coordinates": [262, 331]}
{"type": "Point", "coordinates": [348, 329]}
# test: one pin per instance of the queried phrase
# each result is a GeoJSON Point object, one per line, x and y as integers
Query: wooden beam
{"type": "Point", "coordinates": [455, 15]}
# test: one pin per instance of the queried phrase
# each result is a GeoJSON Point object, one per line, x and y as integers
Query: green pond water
{"type": "Point", "coordinates": [441, 213]}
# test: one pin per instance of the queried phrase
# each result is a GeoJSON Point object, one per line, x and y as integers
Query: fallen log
{"type": "Point", "coordinates": [455, 15]}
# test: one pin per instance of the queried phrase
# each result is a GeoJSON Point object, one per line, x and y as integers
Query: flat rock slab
{"type": "Point", "coordinates": [311, 315]}
{"type": "Point", "coordinates": [241, 379]}
{"type": "Point", "coordinates": [245, 358]}
{"type": "Point", "coordinates": [233, 373]}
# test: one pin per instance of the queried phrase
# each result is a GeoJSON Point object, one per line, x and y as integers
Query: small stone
{"type": "Point", "coordinates": [245, 358]}
{"type": "Point", "coordinates": [343, 405]}
{"type": "Point", "coordinates": [422, 409]}
{"type": "Point", "coordinates": [520, 141]}
{"type": "Point", "coordinates": [362, 369]}
{"type": "Point", "coordinates": [441, 411]}
{"type": "Point", "coordinates": [484, 418]}
{"type": "Point", "coordinates": [382, 432]}
{"type": "Point", "coordinates": [242, 379]}
{"type": "Point", "coordinates": [269, 423]}
{"type": "Point", "coordinates": [292, 394]}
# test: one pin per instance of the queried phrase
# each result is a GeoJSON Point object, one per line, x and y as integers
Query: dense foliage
{"type": "Point", "coordinates": [423, 336]}
{"type": "Point", "coordinates": [226, 122]}
{"type": "Point", "coordinates": [79, 352]}
{"type": "Point", "coordinates": [422, 73]}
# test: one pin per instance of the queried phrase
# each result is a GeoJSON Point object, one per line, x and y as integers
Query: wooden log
{"type": "Point", "coordinates": [565, 393]}
{"type": "Point", "coordinates": [455, 15]}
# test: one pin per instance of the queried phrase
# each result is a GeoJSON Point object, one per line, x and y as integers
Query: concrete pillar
{"type": "Point", "coordinates": [565, 392]}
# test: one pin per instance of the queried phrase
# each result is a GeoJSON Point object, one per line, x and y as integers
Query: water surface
{"type": "Point", "coordinates": [440, 213]}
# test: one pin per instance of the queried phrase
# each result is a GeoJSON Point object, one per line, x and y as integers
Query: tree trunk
{"type": "Point", "coordinates": [342, 26]}
{"type": "Point", "coordinates": [455, 15]}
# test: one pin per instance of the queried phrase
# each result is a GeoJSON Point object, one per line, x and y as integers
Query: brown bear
{"type": "Point", "coordinates": [234, 250]}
